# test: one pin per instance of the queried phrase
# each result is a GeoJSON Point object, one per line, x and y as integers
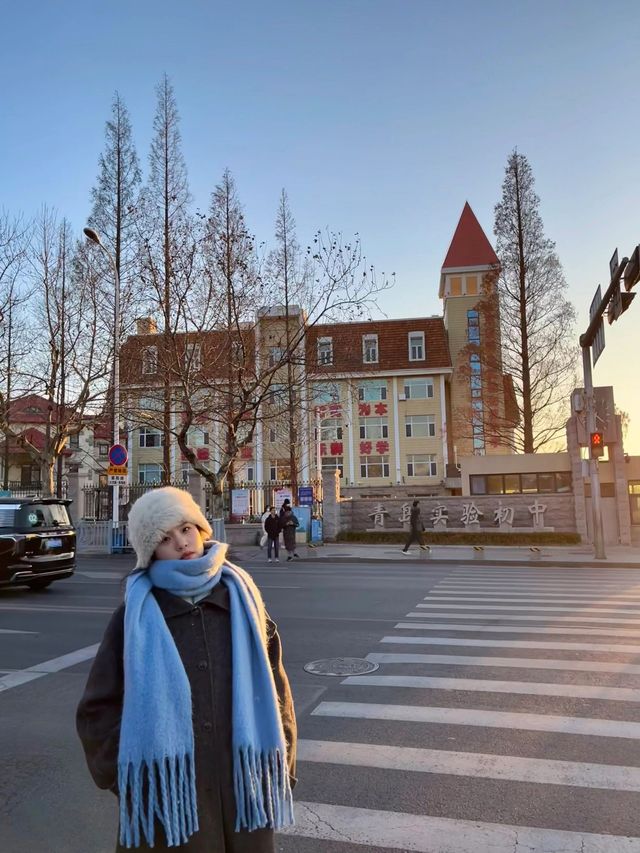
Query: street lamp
{"type": "Point", "coordinates": [92, 235]}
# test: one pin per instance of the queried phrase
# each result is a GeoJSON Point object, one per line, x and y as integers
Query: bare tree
{"type": "Point", "coordinates": [533, 325]}
{"type": "Point", "coordinates": [69, 347]}
{"type": "Point", "coordinates": [167, 239]}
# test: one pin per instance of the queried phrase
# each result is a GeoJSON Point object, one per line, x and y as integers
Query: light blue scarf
{"type": "Point", "coordinates": [156, 772]}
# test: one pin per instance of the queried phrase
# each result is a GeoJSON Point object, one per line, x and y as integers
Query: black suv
{"type": "Point", "coordinates": [37, 541]}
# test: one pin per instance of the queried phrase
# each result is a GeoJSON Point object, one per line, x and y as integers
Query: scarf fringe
{"type": "Point", "coordinates": [262, 789]}
{"type": "Point", "coordinates": [164, 789]}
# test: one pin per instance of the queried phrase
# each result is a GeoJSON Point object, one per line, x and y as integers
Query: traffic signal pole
{"type": "Point", "coordinates": [594, 474]}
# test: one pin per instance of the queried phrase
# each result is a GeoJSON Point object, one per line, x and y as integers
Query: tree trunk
{"type": "Point", "coordinates": [527, 413]}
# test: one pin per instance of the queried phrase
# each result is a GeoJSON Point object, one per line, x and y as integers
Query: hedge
{"type": "Point", "coordinates": [488, 537]}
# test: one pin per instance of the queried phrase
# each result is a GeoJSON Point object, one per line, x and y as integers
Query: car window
{"type": "Point", "coordinates": [33, 516]}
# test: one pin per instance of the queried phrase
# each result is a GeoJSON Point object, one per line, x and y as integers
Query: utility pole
{"type": "Point", "coordinates": [615, 302]}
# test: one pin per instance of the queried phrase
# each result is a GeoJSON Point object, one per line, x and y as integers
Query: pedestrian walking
{"type": "Point", "coordinates": [187, 715]}
{"type": "Point", "coordinates": [263, 535]}
{"type": "Point", "coordinates": [416, 525]}
{"type": "Point", "coordinates": [272, 526]}
{"type": "Point", "coordinates": [289, 522]}
{"type": "Point", "coordinates": [286, 505]}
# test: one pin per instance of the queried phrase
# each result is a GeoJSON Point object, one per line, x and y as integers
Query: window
{"type": "Point", "coordinates": [330, 463]}
{"type": "Point", "coordinates": [150, 404]}
{"type": "Point", "coordinates": [185, 467]}
{"type": "Point", "coordinates": [277, 394]}
{"type": "Point", "coordinates": [372, 390]}
{"type": "Point", "coordinates": [473, 327]}
{"type": "Point", "coordinates": [472, 285]}
{"type": "Point", "coordinates": [150, 438]}
{"type": "Point", "coordinates": [331, 430]}
{"type": "Point", "coordinates": [103, 449]}
{"type": "Point", "coordinates": [420, 426]}
{"type": "Point", "coordinates": [455, 287]}
{"type": "Point", "coordinates": [325, 392]}
{"type": "Point", "coordinates": [418, 389]}
{"type": "Point", "coordinates": [279, 469]}
{"type": "Point", "coordinates": [149, 473]}
{"type": "Point", "coordinates": [272, 435]}
{"type": "Point", "coordinates": [374, 428]}
{"type": "Point", "coordinates": [197, 437]}
{"type": "Point", "coordinates": [74, 441]}
{"type": "Point", "coordinates": [370, 349]}
{"type": "Point", "coordinates": [374, 466]}
{"type": "Point", "coordinates": [250, 474]}
{"type": "Point", "coordinates": [512, 484]}
{"type": "Point", "coordinates": [276, 356]}
{"type": "Point", "coordinates": [150, 360]}
{"type": "Point", "coordinates": [422, 465]}
{"type": "Point", "coordinates": [416, 346]}
{"type": "Point", "coordinates": [325, 351]}
{"type": "Point", "coordinates": [192, 357]}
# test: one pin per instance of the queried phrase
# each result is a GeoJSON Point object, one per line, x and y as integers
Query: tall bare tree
{"type": "Point", "coordinates": [536, 318]}
{"type": "Point", "coordinates": [167, 237]}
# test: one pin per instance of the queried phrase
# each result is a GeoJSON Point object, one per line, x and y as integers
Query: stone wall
{"type": "Point", "coordinates": [358, 514]}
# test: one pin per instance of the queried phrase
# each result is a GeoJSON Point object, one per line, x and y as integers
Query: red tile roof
{"type": "Point", "coordinates": [469, 246]}
{"type": "Point", "coordinates": [393, 349]}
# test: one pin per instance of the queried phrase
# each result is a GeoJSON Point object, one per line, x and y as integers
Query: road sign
{"type": "Point", "coordinates": [305, 495]}
{"type": "Point", "coordinates": [598, 341]}
{"type": "Point", "coordinates": [613, 263]}
{"type": "Point", "coordinates": [117, 470]}
{"type": "Point", "coordinates": [118, 454]}
{"type": "Point", "coordinates": [117, 479]}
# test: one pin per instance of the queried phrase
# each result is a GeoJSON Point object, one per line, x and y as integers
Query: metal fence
{"type": "Point", "coordinates": [261, 497]}
{"type": "Point", "coordinates": [19, 489]}
{"type": "Point", "coordinates": [97, 501]}
{"type": "Point", "coordinates": [100, 537]}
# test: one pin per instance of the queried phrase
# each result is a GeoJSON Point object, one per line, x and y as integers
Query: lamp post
{"type": "Point", "coordinates": [92, 235]}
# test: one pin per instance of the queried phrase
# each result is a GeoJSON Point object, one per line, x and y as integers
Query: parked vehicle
{"type": "Point", "coordinates": [37, 541]}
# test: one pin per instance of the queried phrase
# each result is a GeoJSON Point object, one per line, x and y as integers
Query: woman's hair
{"type": "Point", "coordinates": [415, 503]}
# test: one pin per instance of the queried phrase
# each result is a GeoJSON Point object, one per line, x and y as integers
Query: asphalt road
{"type": "Point", "coordinates": [504, 715]}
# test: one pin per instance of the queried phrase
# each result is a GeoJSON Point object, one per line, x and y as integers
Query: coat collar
{"type": "Point", "coordinates": [173, 605]}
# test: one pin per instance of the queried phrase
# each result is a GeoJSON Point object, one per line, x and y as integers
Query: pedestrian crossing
{"type": "Point", "coordinates": [504, 716]}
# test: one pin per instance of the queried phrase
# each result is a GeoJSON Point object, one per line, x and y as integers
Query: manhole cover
{"type": "Point", "coordinates": [340, 666]}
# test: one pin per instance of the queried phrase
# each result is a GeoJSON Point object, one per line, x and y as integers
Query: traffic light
{"type": "Point", "coordinates": [597, 445]}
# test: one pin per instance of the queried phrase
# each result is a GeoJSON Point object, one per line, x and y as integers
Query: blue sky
{"type": "Point", "coordinates": [377, 117]}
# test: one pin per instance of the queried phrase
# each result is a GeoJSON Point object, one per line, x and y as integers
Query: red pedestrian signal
{"type": "Point", "coordinates": [597, 445]}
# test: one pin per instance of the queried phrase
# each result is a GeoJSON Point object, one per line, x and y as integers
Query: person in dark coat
{"type": "Point", "coordinates": [198, 810]}
{"type": "Point", "coordinates": [272, 526]}
{"type": "Point", "coordinates": [415, 533]}
{"type": "Point", "coordinates": [289, 522]}
{"type": "Point", "coordinates": [286, 506]}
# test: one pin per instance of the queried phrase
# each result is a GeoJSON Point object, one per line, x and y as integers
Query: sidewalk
{"type": "Point", "coordinates": [572, 556]}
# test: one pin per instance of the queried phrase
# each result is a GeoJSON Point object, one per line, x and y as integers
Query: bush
{"type": "Point", "coordinates": [488, 537]}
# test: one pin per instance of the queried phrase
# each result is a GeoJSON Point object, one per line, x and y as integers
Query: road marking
{"type": "Point", "coordinates": [605, 620]}
{"type": "Point", "coordinates": [22, 676]}
{"type": "Point", "coordinates": [475, 764]}
{"type": "Point", "coordinates": [52, 608]}
{"type": "Point", "coordinates": [617, 668]}
{"type": "Point", "coordinates": [520, 629]}
{"type": "Point", "coordinates": [510, 607]}
{"type": "Point", "coordinates": [524, 584]}
{"type": "Point", "coordinates": [16, 631]}
{"type": "Point", "coordinates": [424, 834]}
{"type": "Point", "coordinates": [515, 644]}
{"type": "Point", "coordinates": [589, 726]}
{"type": "Point", "coordinates": [542, 597]}
{"type": "Point", "coordinates": [522, 688]}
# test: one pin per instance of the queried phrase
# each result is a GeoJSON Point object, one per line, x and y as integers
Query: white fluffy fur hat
{"type": "Point", "coordinates": [156, 512]}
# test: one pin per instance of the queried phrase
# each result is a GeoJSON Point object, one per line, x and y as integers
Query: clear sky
{"type": "Point", "coordinates": [377, 116]}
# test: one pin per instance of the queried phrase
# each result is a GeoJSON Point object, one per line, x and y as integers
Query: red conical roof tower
{"type": "Point", "coordinates": [470, 249]}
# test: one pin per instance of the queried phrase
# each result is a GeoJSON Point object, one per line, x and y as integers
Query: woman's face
{"type": "Point", "coordinates": [182, 542]}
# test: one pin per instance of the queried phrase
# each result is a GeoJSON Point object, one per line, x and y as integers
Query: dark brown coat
{"type": "Point", "coordinates": [202, 635]}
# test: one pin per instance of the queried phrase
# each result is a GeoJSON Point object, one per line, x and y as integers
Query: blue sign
{"type": "Point", "coordinates": [118, 454]}
{"type": "Point", "coordinates": [305, 495]}
{"type": "Point", "coordinates": [303, 514]}
{"type": "Point", "coordinates": [316, 530]}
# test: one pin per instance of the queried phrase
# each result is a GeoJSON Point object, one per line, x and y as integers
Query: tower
{"type": "Point", "coordinates": [478, 392]}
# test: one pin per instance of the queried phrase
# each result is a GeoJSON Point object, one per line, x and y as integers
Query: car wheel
{"type": "Point", "coordinates": [36, 586]}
